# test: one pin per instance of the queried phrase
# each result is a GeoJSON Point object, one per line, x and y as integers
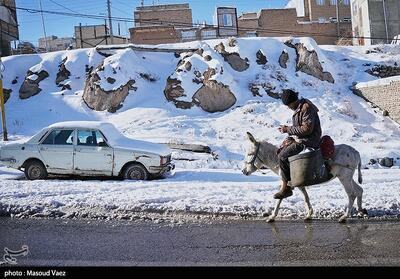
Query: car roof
{"type": "Point", "coordinates": [82, 125]}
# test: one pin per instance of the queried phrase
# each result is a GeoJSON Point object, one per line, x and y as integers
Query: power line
{"type": "Point", "coordinates": [63, 6]}
{"type": "Point", "coordinates": [191, 25]}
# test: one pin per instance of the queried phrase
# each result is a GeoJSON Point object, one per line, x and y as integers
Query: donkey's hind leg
{"type": "Point", "coordinates": [346, 178]}
{"type": "Point", "coordinates": [358, 190]}
{"type": "Point", "coordinates": [307, 202]}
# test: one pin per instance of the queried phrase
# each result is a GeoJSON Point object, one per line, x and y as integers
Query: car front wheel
{"type": "Point", "coordinates": [135, 172]}
{"type": "Point", "coordinates": [35, 170]}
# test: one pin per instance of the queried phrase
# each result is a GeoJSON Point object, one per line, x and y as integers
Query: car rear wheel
{"type": "Point", "coordinates": [135, 172]}
{"type": "Point", "coordinates": [35, 170]}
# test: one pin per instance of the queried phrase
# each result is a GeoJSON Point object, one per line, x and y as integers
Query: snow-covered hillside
{"type": "Point", "coordinates": [147, 114]}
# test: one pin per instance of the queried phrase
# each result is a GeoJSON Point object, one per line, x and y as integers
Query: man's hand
{"type": "Point", "coordinates": [283, 129]}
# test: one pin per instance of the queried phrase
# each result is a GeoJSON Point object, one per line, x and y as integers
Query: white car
{"type": "Point", "coordinates": [87, 149]}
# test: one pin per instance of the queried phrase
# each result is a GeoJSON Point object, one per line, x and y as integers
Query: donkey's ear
{"type": "Point", "coordinates": [251, 138]}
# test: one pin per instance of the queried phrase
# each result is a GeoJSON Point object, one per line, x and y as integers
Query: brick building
{"type": "Point", "coordinates": [93, 35]}
{"type": "Point", "coordinates": [173, 23]}
{"type": "Point", "coordinates": [375, 21]}
{"type": "Point", "coordinates": [311, 18]}
{"type": "Point", "coordinates": [8, 26]}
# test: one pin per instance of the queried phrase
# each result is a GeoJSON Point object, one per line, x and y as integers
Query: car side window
{"type": "Point", "coordinates": [91, 138]}
{"type": "Point", "coordinates": [101, 140]}
{"type": "Point", "coordinates": [59, 137]}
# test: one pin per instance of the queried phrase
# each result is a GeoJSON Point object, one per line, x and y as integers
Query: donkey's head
{"type": "Point", "coordinates": [252, 160]}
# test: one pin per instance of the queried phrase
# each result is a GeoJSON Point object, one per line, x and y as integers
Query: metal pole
{"type": "Point", "coordinates": [110, 21]}
{"type": "Point", "coordinates": [44, 27]}
{"type": "Point", "coordinates": [337, 18]}
{"type": "Point", "coordinates": [386, 27]}
{"type": "Point", "coordinates": [80, 34]}
{"type": "Point", "coordinates": [3, 111]}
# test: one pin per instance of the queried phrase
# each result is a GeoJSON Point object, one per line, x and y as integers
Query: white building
{"type": "Point", "coordinates": [375, 21]}
{"type": "Point", "coordinates": [55, 44]}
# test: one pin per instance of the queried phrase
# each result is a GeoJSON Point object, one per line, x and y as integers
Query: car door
{"type": "Point", "coordinates": [56, 150]}
{"type": "Point", "coordinates": [92, 154]}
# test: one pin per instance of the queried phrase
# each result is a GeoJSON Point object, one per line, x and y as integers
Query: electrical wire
{"type": "Point", "coordinates": [191, 25]}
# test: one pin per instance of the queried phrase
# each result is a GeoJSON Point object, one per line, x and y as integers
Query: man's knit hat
{"type": "Point", "coordinates": [289, 96]}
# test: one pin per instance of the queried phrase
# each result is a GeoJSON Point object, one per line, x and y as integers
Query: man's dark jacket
{"type": "Point", "coordinates": [306, 124]}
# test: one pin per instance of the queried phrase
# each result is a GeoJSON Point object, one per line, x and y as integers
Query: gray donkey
{"type": "Point", "coordinates": [346, 160]}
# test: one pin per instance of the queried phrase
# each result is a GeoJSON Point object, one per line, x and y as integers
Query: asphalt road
{"type": "Point", "coordinates": [56, 242]}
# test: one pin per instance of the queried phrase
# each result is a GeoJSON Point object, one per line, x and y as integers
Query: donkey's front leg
{"type": "Point", "coordinates": [275, 211]}
{"type": "Point", "coordinates": [309, 209]}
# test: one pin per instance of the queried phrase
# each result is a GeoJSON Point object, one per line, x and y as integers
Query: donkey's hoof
{"type": "Point", "coordinates": [362, 213]}
{"type": "Point", "coordinates": [270, 220]}
{"type": "Point", "coordinates": [343, 219]}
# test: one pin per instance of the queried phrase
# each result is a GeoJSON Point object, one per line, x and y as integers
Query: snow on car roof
{"type": "Point", "coordinates": [115, 138]}
{"type": "Point", "coordinates": [81, 124]}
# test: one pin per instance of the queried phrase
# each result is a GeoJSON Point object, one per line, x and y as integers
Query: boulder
{"type": "Point", "coordinates": [99, 99]}
{"type": "Point", "coordinates": [30, 86]}
{"type": "Point", "coordinates": [208, 57]}
{"type": "Point", "coordinates": [384, 71]}
{"type": "Point", "coordinates": [261, 58]}
{"type": "Point", "coordinates": [7, 94]}
{"type": "Point", "coordinates": [63, 73]}
{"type": "Point", "coordinates": [111, 80]}
{"type": "Point", "coordinates": [173, 91]}
{"type": "Point", "coordinates": [283, 59]}
{"type": "Point", "coordinates": [386, 162]}
{"type": "Point", "coordinates": [308, 63]}
{"type": "Point", "coordinates": [188, 66]}
{"type": "Point", "coordinates": [233, 59]}
{"type": "Point", "coordinates": [214, 97]}
{"type": "Point", "coordinates": [209, 73]}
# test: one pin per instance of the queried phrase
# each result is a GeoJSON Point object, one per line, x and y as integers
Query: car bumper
{"type": "Point", "coordinates": [161, 170]}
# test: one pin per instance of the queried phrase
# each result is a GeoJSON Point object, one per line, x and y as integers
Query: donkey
{"type": "Point", "coordinates": [346, 160]}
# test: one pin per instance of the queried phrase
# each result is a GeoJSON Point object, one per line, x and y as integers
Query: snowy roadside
{"type": "Point", "coordinates": [188, 194]}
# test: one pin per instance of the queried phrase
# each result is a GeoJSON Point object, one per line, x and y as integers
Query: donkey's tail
{"type": "Point", "coordinates": [360, 180]}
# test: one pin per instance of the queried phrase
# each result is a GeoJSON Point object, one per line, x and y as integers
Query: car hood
{"type": "Point", "coordinates": [143, 146]}
{"type": "Point", "coordinates": [13, 144]}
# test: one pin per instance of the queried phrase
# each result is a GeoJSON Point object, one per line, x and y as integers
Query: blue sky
{"type": "Point", "coordinates": [31, 30]}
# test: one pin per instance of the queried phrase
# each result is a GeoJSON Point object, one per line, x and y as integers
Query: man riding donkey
{"type": "Point", "coordinates": [306, 128]}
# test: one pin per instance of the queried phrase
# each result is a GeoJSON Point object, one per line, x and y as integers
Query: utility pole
{"type": "Point", "coordinates": [110, 21]}
{"type": "Point", "coordinates": [338, 19]}
{"type": "Point", "coordinates": [3, 112]}
{"type": "Point", "coordinates": [44, 27]}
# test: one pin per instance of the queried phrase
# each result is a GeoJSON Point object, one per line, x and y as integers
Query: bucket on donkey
{"type": "Point", "coordinates": [308, 169]}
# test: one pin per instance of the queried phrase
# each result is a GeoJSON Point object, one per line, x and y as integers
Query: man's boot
{"type": "Point", "coordinates": [285, 192]}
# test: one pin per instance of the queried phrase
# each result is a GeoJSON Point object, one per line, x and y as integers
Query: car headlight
{"type": "Point", "coordinates": [164, 160]}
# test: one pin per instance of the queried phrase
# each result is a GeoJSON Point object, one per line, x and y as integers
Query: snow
{"type": "Point", "coordinates": [204, 182]}
{"type": "Point", "coordinates": [213, 191]}
{"type": "Point", "coordinates": [378, 82]}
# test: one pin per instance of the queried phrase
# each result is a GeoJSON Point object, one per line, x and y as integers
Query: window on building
{"type": "Point", "coordinates": [227, 20]}
{"type": "Point", "coordinates": [188, 35]}
{"type": "Point", "coordinates": [251, 34]}
{"type": "Point", "coordinates": [332, 19]}
{"type": "Point", "coordinates": [347, 19]}
{"type": "Point", "coordinates": [209, 34]}
{"type": "Point", "coordinates": [333, 2]}
{"type": "Point", "coordinates": [320, 2]}
{"type": "Point", "coordinates": [346, 2]}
